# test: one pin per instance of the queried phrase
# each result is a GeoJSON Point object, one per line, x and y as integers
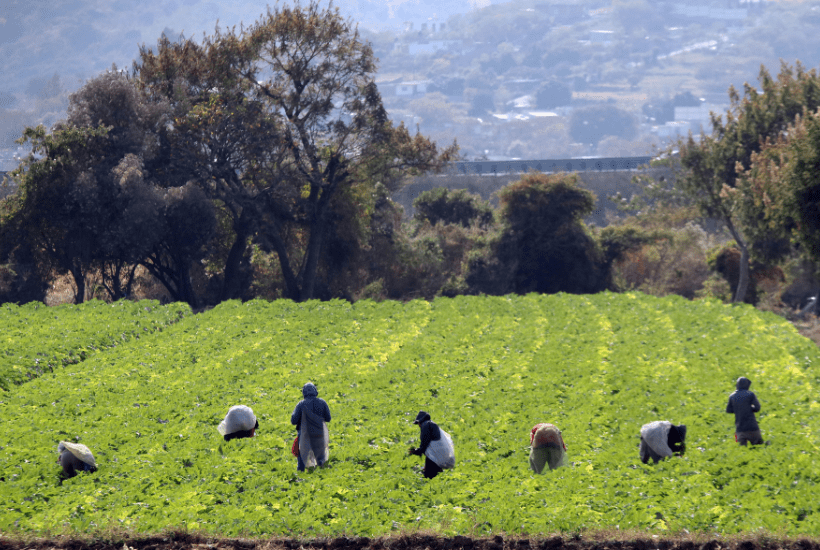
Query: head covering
{"type": "Point", "coordinates": [239, 418]}
{"type": "Point", "coordinates": [79, 450]}
{"type": "Point", "coordinates": [682, 432]}
{"type": "Point", "coordinates": [743, 383]}
{"type": "Point", "coordinates": [309, 390]}
{"type": "Point", "coordinates": [421, 417]}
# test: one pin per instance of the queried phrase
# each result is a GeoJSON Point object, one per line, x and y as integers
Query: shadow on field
{"type": "Point", "coordinates": [185, 541]}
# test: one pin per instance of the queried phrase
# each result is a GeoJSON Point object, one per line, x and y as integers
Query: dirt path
{"type": "Point", "coordinates": [409, 542]}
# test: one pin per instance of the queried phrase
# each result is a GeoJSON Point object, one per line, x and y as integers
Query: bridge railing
{"type": "Point", "coordinates": [603, 164]}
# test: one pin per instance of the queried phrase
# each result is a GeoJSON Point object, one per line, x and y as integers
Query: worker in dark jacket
{"type": "Point", "coordinates": [744, 405]}
{"type": "Point", "coordinates": [310, 417]}
{"type": "Point", "coordinates": [436, 446]}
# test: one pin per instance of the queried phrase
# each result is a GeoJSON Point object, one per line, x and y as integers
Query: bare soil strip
{"type": "Point", "coordinates": [185, 541]}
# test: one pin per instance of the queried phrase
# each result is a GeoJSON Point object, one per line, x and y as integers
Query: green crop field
{"type": "Point", "coordinates": [486, 369]}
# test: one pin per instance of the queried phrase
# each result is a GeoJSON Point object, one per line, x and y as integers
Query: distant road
{"type": "Point", "coordinates": [601, 164]}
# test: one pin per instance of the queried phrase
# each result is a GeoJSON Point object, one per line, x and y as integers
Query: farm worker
{"type": "Point", "coordinates": [744, 405]}
{"type": "Point", "coordinates": [546, 447]}
{"type": "Point", "coordinates": [310, 417]}
{"type": "Point", "coordinates": [661, 439]}
{"type": "Point", "coordinates": [239, 422]}
{"type": "Point", "coordinates": [436, 446]}
{"type": "Point", "coordinates": [75, 457]}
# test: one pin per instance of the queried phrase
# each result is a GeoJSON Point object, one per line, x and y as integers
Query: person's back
{"type": "Point", "coordinates": [547, 448]}
{"type": "Point", "coordinates": [310, 418]}
{"type": "Point", "coordinates": [744, 404]}
{"type": "Point", "coordinates": [75, 457]}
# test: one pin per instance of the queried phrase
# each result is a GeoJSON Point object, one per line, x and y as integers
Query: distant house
{"type": "Point", "coordinates": [709, 12]}
{"type": "Point", "coordinates": [434, 46]}
{"type": "Point", "coordinates": [413, 87]}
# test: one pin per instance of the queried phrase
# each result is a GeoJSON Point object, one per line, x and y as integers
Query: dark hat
{"type": "Point", "coordinates": [421, 417]}
{"type": "Point", "coordinates": [681, 431]}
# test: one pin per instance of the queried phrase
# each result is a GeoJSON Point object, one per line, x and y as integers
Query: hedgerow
{"type": "Point", "coordinates": [486, 369]}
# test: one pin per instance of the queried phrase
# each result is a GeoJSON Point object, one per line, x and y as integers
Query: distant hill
{"type": "Point", "coordinates": [77, 39]}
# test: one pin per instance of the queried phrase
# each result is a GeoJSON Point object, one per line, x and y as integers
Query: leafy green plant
{"type": "Point", "coordinates": [485, 368]}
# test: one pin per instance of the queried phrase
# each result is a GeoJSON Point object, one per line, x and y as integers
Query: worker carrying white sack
{"type": "Point", "coordinates": [75, 457]}
{"type": "Point", "coordinates": [239, 422]}
{"type": "Point", "coordinates": [311, 415]}
{"type": "Point", "coordinates": [547, 447]}
{"type": "Point", "coordinates": [661, 439]}
{"type": "Point", "coordinates": [436, 446]}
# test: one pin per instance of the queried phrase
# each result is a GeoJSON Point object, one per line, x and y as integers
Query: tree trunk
{"type": "Point", "coordinates": [274, 240]}
{"type": "Point", "coordinates": [231, 277]}
{"type": "Point", "coordinates": [312, 255]}
{"type": "Point", "coordinates": [743, 267]}
{"type": "Point", "coordinates": [79, 280]}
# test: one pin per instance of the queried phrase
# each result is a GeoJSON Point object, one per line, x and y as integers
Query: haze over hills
{"type": "Point", "coordinates": [79, 38]}
{"type": "Point", "coordinates": [521, 79]}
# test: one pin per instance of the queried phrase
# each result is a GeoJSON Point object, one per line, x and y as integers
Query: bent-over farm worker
{"type": "Point", "coordinates": [661, 439]}
{"type": "Point", "coordinates": [239, 422]}
{"type": "Point", "coordinates": [547, 447]}
{"type": "Point", "coordinates": [310, 417]}
{"type": "Point", "coordinates": [744, 404]}
{"type": "Point", "coordinates": [75, 457]}
{"type": "Point", "coordinates": [436, 446]}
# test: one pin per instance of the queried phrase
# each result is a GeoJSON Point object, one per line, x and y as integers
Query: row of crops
{"type": "Point", "coordinates": [486, 368]}
{"type": "Point", "coordinates": [35, 338]}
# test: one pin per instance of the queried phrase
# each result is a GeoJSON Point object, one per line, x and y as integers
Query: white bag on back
{"type": "Point", "coordinates": [441, 451]}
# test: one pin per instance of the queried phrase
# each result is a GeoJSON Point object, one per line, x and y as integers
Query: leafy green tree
{"type": "Point", "coordinates": [712, 163]}
{"type": "Point", "coordinates": [779, 195]}
{"type": "Point", "coordinates": [452, 207]}
{"type": "Point", "coordinates": [282, 125]}
{"type": "Point", "coordinates": [543, 245]}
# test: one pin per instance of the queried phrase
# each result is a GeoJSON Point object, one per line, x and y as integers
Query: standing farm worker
{"type": "Point", "coordinates": [661, 439]}
{"type": "Point", "coordinates": [744, 405]}
{"type": "Point", "coordinates": [547, 447]}
{"type": "Point", "coordinates": [310, 418]}
{"type": "Point", "coordinates": [75, 457]}
{"type": "Point", "coordinates": [436, 446]}
{"type": "Point", "coordinates": [239, 422]}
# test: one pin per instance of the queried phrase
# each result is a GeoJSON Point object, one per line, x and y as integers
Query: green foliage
{"type": "Point", "coordinates": [36, 339]}
{"type": "Point", "coordinates": [779, 196]}
{"type": "Point", "coordinates": [543, 244]}
{"type": "Point", "coordinates": [455, 206]}
{"type": "Point", "coordinates": [486, 369]}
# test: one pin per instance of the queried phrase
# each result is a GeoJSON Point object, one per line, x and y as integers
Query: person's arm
{"type": "Point", "coordinates": [296, 417]}
{"type": "Point", "coordinates": [730, 408]}
{"type": "Point", "coordinates": [755, 404]}
{"type": "Point", "coordinates": [326, 412]}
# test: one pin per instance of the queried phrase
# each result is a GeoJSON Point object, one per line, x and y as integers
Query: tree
{"type": "Point", "coordinates": [543, 245]}
{"type": "Point", "coordinates": [88, 201]}
{"type": "Point", "coordinates": [316, 78]}
{"type": "Point", "coordinates": [452, 207]}
{"type": "Point", "coordinates": [779, 195]}
{"type": "Point", "coordinates": [281, 124]}
{"type": "Point", "coordinates": [591, 124]}
{"type": "Point", "coordinates": [552, 94]}
{"type": "Point", "coordinates": [712, 163]}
